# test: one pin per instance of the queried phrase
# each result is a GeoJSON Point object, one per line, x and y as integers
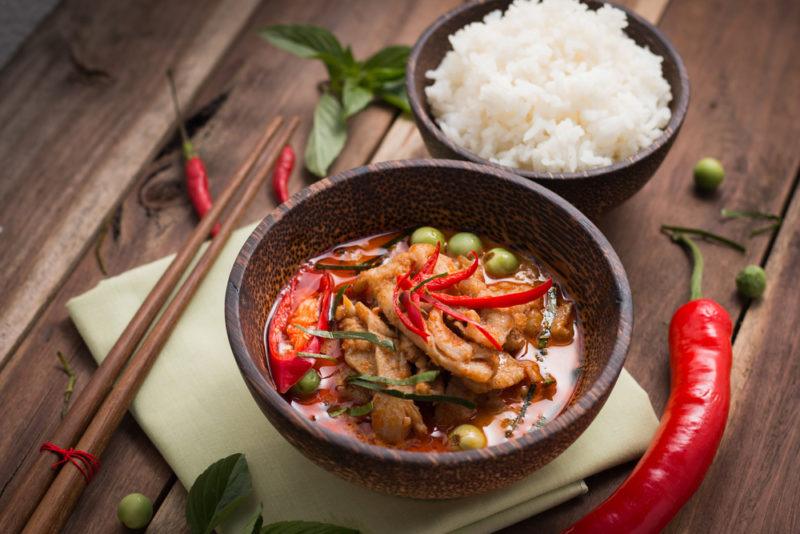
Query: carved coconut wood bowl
{"type": "Point", "coordinates": [593, 191]}
{"type": "Point", "coordinates": [449, 194]}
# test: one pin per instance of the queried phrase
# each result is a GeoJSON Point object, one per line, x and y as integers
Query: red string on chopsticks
{"type": "Point", "coordinates": [87, 463]}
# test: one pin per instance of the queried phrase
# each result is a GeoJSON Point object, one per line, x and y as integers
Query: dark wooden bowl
{"type": "Point", "coordinates": [449, 194]}
{"type": "Point", "coordinates": [594, 191]}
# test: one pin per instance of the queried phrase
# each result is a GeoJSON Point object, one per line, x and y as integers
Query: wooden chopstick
{"type": "Point", "coordinates": [57, 504]}
{"type": "Point", "coordinates": [37, 479]}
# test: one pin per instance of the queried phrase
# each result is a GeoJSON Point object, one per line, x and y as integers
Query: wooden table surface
{"type": "Point", "coordinates": [91, 168]}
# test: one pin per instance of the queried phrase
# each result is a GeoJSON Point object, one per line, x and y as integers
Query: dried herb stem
{"type": "Point", "coordinates": [71, 380]}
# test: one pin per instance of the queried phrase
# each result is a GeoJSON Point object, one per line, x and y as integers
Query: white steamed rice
{"type": "Point", "coordinates": [550, 86]}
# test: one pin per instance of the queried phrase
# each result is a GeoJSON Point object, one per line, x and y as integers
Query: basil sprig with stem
{"type": "Point", "coordinates": [349, 334]}
{"type": "Point", "coordinates": [413, 396]}
{"type": "Point", "coordinates": [352, 85]}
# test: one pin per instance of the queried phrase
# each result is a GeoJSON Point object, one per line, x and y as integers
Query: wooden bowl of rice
{"type": "Point", "coordinates": [495, 121]}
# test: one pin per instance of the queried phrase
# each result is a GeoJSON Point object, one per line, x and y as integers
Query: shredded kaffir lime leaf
{"type": "Point", "coordinates": [347, 334]}
{"type": "Point", "coordinates": [414, 396]}
{"type": "Point", "coordinates": [426, 376]}
{"type": "Point", "coordinates": [316, 356]}
{"type": "Point", "coordinates": [360, 411]}
{"type": "Point", "coordinates": [336, 410]}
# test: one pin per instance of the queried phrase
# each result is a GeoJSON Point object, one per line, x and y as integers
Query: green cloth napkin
{"type": "Point", "coordinates": [196, 409]}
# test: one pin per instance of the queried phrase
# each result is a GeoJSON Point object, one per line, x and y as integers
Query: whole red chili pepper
{"type": "Point", "coordinates": [691, 428]}
{"type": "Point", "coordinates": [286, 367]}
{"type": "Point", "coordinates": [497, 301]}
{"type": "Point", "coordinates": [194, 169]}
{"type": "Point", "coordinates": [283, 171]}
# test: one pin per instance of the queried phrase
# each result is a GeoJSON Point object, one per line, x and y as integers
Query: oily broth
{"type": "Point", "coordinates": [562, 362]}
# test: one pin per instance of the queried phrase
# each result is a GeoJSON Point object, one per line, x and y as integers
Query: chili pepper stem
{"type": "Point", "coordinates": [188, 149]}
{"type": "Point", "coordinates": [696, 290]}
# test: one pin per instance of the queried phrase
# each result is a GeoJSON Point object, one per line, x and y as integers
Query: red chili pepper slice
{"type": "Point", "coordinates": [286, 368]}
{"type": "Point", "coordinates": [404, 318]}
{"type": "Point", "coordinates": [412, 311]}
{"type": "Point", "coordinates": [691, 428]}
{"type": "Point", "coordinates": [428, 266]}
{"type": "Point", "coordinates": [453, 278]}
{"type": "Point", "coordinates": [461, 317]}
{"type": "Point", "coordinates": [498, 301]}
{"type": "Point", "coordinates": [323, 323]}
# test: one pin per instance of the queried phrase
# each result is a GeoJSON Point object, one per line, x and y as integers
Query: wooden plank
{"type": "Point", "coordinates": [170, 517]}
{"type": "Point", "coordinates": [760, 457]}
{"type": "Point", "coordinates": [746, 133]}
{"type": "Point", "coordinates": [154, 217]}
{"type": "Point", "coordinates": [84, 105]}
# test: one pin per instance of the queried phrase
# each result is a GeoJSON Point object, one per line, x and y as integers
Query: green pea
{"type": "Point", "coordinates": [466, 437]}
{"type": "Point", "coordinates": [463, 243]}
{"type": "Point", "coordinates": [308, 384]}
{"type": "Point", "coordinates": [427, 234]}
{"type": "Point", "coordinates": [708, 174]}
{"type": "Point", "coordinates": [135, 511]}
{"type": "Point", "coordinates": [751, 281]}
{"type": "Point", "coordinates": [499, 262]}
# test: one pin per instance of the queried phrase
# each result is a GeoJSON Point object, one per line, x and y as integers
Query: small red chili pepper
{"type": "Point", "coordinates": [323, 323]}
{"type": "Point", "coordinates": [461, 317]}
{"type": "Point", "coordinates": [286, 367]}
{"type": "Point", "coordinates": [452, 279]}
{"type": "Point", "coordinates": [498, 301]}
{"type": "Point", "coordinates": [692, 425]}
{"type": "Point", "coordinates": [283, 171]}
{"type": "Point", "coordinates": [194, 169]}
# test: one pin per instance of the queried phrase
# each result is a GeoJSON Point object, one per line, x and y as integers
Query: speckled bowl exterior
{"type": "Point", "coordinates": [594, 191]}
{"type": "Point", "coordinates": [449, 194]}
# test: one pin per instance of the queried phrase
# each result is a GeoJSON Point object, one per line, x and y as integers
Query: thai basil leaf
{"type": "Point", "coordinates": [327, 137]}
{"type": "Point", "coordinates": [354, 97]}
{"type": "Point", "coordinates": [394, 93]}
{"type": "Point", "coordinates": [217, 493]}
{"type": "Point", "coordinates": [255, 523]}
{"type": "Point", "coordinates": [360, 411]}
{"type": "Point", "coordinates": [309, 42]}
{"type": "Point", "coordinates": [391, 57]}
{"type": "Point", "coordinates": [305, 527]}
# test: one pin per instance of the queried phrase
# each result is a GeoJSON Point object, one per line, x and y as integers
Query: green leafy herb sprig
{"type": "Point", "coordinates": [352, 85]}
{"type": "Point", "coordinates": [222, 488]}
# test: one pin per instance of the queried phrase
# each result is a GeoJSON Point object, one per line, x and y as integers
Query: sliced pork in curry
{"type": "Point", "coordinates": [420, 343]}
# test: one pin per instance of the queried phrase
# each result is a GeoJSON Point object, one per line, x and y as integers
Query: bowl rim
{"type": "Point", "coordinates": [424, 119]}
{"type": "Point", "coordinates": [256, 380]}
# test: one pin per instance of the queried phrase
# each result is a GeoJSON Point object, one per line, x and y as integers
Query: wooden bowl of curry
{"type": "Point", "coordinates": [517, 331]}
